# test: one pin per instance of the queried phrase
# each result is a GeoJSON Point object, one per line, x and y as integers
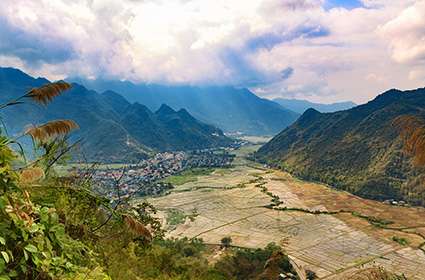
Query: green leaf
{"type": "Point", "coordinates": [26, 255]}
{"type": "Point", "coordinates": [2, 265]}
{"type": "Point", "coordinates": [54, 218]}
{"type": "Point", "coordinates": [3, 203]}
{"type": "Point", "coordinates": [4, 277]}
{"type": "Point", "coordinates": [24, 267]}
{"type": "Point", "coordinates": [11, 255]}
{"type": "Point", "coordinates": [5, 256]}
{"type": "Point", "coordinates": [31, 248]}
{"type": "Point", "coordinates": [35, 260]}
{"type": "Point", "coordinates": [2, 241]}
{"type": "Point", "coordinates": [25, 235]}
{"type": "Point", "coordinates": [34, 228]}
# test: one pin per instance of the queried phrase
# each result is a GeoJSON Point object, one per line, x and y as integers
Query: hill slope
{"type": "Point", "coordinates": [112, 128]}
{"type": "Point", "coordinates": [358, 150]}
{"type": "Point", "coordinates": [231, 109]}
{"type": "Point", "coordinates": [300, 106]}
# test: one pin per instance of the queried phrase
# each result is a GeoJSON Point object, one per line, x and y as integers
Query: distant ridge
{"type": "Point", "coordinates": [231, 109]}
{"type": "Point", "coordinates": [113, 129]}
{"type": "Point", "coordinates": [300, 106]}
{"type": "Point", "coordinates": [358, 150]}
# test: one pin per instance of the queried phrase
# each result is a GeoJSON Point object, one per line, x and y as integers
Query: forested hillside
{"type": "Point", "coordinates": [230, 109]}
{"type": "Point", "coordinates": [111, 128]}
{"type": "Point", "coordinates": [362, 150]}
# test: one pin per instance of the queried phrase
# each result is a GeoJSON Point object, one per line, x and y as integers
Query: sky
{"type": "Point", "coordinates": [320, 50]}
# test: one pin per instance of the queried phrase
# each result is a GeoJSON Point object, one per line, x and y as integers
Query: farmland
{"type": "Point", "coordinates": [330, 232]}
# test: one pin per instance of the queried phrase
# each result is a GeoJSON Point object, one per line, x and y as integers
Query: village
{"type": "Point", "coordinates": [145, 178]}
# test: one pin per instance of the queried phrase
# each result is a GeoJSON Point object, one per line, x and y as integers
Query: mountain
{"type": "Point", "coordinates": [112, 129]}
{"type": "Point", "coordinates": [167, 130]}
{"type": "Point", "coordinates": [359, 150]}
{"type": "Point", "coordinates": [300, 106]}
{"type": "Point", "coordinates": [229, 108]}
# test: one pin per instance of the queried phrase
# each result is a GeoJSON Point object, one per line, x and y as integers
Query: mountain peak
{"type": "Point", "coordinates": [358, 150]}
{"type": "Point", "coordinates": [165, 110]}
{"type": "Point", "coordinates": [15, 75]}
{"type": "Point", "coordinates": [300, 105]}
{"type": "Point", "coordinates": [309, 115]}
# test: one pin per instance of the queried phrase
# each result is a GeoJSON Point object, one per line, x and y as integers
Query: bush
{"type": "Point", "coordinates": [244, 264]}
{"type": "Point", "coordinates": [226, 242]}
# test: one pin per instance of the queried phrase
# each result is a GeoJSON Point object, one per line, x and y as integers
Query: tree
{"type": "Point", "coordinates": [226, 242]}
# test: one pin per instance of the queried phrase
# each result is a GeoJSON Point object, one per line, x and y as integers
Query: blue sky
{"type": "Point", "coordinates": [321, 50]}
{"type": "Point", "coordinates": [348, 4]}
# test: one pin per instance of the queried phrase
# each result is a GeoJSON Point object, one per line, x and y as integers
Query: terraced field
{"type": "Point", "coordinates": [330, 232]}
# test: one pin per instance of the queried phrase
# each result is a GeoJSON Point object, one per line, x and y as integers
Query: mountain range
{"type": "Point", "coordinates": [112, 129]}
{"type": "Point", "coordinates": [231, 109]}
{"type": "Point", "coordinates": [300, 106]}
{"type": "Point", "coordinates": [359, 150]}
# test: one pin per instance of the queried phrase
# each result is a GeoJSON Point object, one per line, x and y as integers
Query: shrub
{"type": "Point", "coordinates": [226, 242]}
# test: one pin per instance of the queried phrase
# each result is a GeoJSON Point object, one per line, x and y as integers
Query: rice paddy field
{"type": "Point", "coordinates": [330, 232]}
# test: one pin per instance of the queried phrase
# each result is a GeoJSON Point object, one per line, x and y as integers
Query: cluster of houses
{"type": "Point", "coordinates": [396, 202]}
{"type": "Point", "coordinates": [209, 158]}
{"type": "Point", "coordinates": [138, 179]}
{"type": "Point", "coordinates": [144, 178]}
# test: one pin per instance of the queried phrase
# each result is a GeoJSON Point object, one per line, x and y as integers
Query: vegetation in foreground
{"type": "Point", "coordinates": [57, 228]}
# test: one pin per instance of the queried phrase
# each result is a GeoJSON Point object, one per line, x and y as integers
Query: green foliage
{"type": "Point", "coordinates": [378, 222]}
{"type": "Point", "coordinates": [226, 242]}
{"type": "Point", "coordinates": [54, 151]}
{"type": "Point", "coordinates": [34, 243]}
{"type": "Point", "coordinates": [188, 176]}
{"type": "Point", "coordinates": [401, 240]}
{"type": "Point", "coordinates": [7, 176]}
{"type": "Point", "coordinates": [361, 150]}
{"type": "Point", "coordinates": [175, 217]}
{"type": "Point", "coordinates": [264, 263]}
{"type": "Point", "coordinates": [163, 259]}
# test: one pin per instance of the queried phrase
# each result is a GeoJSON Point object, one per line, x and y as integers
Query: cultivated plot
{"type": "Point", "coordinates": [330, 232]}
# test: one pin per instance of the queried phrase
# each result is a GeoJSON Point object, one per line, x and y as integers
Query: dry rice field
{"type": "Point", "coordinates": [330, 232]}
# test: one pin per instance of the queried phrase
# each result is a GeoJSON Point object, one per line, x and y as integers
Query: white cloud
{"type": "Point", "coordinates": [334, 54]}
{"type": "Point", "coordinates": [406, 34]}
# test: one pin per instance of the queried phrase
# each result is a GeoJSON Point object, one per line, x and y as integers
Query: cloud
{"type": "Point", "coordinates": [269, 40]}
{"type": "Point", "coordinates": [337, 48]}
{"type": "Point", "coordinates": [31, 48]}
{"type": "Point", "coordinates": [406, 34]}
{"type": "Point", "coordinates": [287, 73]}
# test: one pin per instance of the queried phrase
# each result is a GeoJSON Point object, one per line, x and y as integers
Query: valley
{"type": "Point", "coordinates": [212, 140]}
{"type": "Point", "coordinates": [330, 232]}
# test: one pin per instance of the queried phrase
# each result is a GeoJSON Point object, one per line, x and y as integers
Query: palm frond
{"type": "Point", "coordinates": [137, 227]}
{"type": "Point", "coordinates": [51, 129]}
{"type": "Point", "coordinates": [46, 93]}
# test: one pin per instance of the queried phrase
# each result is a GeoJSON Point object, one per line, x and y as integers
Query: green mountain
{"type": "Point", "coordinates": [112, 129]}
{"type": "Point", "coordinates": [300, 106]}
{"type": "Point", "coordinates": [358, 150]}
{"type": "Point", "coordinates": [229, 108]}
